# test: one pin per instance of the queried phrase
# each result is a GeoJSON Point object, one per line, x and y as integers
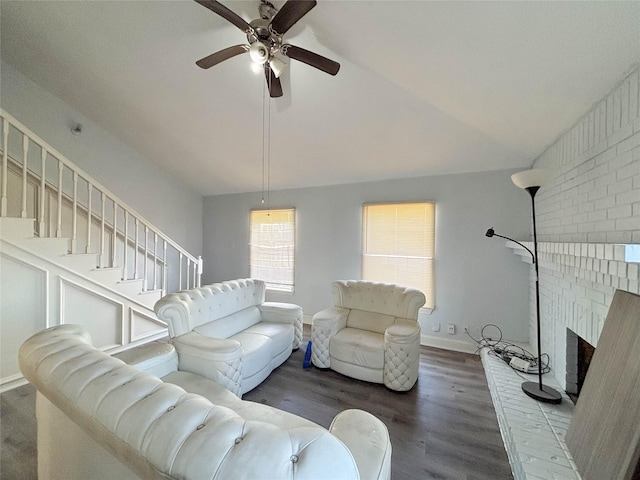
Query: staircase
{"type": "Point", "coordinates": [73, 252]}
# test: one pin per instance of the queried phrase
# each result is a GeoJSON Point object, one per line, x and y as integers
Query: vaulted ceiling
{"type": "Point", "coordinates": [424, 87]}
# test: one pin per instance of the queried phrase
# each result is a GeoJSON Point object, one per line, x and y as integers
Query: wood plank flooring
{"type": "Point", "coordinates": [444, 428]}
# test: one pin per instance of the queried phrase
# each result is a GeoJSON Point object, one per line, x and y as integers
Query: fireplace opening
{"type": "Point", "coordinates": [579, 354]}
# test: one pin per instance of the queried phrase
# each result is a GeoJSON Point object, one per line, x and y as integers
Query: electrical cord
{"type": "Point", "coordinates": [506, 351]}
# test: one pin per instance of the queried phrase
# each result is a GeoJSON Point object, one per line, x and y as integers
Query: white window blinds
{"type": "Point", "coordinates": [399, 244]}
{"type": "Point", "coordinates": [271, 247]}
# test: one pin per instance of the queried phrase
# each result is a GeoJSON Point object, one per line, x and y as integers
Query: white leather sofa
{"type": "Point", "coordinates": [100, 418]}
{"type": "Point", "coordinates": [227, 332]}
{"type": "Point", "coordinates": [371, 333]}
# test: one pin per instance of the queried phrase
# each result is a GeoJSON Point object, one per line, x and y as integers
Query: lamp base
{"type": "Point", "coordinates": [547, 394]}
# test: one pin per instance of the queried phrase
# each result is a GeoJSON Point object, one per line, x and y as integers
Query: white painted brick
{"type": "Point", "coordinates": [596, 216]}
{"type": "Point", "coordinates": [624, 103]}
{"type": "Point", "coordinates": [594, 193]}
{"type": "Point", "coordinates": [622, 134]}
{"type": "Point", "coordinates": [618, 237]}
{"type": "Point", "coordinates": [619, 252]}
{"type": "Point", "coordinates": [623, 283]}
{"type": "Point", "coordinates": [630, 223]}
{"type": "Point", "coordinates": [609, 130]}
{"type": "Point", "coordinates": [629, 197]}
{"type": "Point", "coordinates": [608, 252]}
{"type": "Point", "coordinates": [620, 159]}
{"type": "Point", "coordinates": [629, 143]}
{"type": "Point", "coordinates": [623, 211]}
{"type": "Point", "coordinates": [632, 271]}
{"type": "Point", "coordinates": [633, 95]}
{"type": "Point", "coordinates": [622, 269]}
{"type": "Point", "coordinates": [616, 110]}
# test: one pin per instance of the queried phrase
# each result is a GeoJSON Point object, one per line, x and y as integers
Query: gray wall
{"type": "Point", "coordinates": [478, 280]}
{"type": "Point", "coordinates": [166, 202]}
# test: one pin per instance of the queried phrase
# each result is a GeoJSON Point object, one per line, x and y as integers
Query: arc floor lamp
{"type": "Point", "coordinates": [531, 181]}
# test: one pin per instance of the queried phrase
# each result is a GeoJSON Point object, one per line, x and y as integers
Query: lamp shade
{"type": "Point", "coordinates": [536, 177]}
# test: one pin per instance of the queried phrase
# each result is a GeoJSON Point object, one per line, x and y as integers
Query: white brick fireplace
{"type": "Point", "coordinates": [585, 217]}
{"type": "Point", "coordinates": [588, 223]}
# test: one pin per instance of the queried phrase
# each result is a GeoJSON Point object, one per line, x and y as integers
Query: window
{"type": "Point", "coordinates": [271, 247]}
{"type": "Point", "coordinates": [398, 243]}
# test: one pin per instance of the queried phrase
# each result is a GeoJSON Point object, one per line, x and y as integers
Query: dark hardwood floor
{"type": "Point", "coordinates": [444, 428]}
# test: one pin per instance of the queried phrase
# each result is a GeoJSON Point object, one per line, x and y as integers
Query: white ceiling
{"type": "Point", "coordinates": [425, 87]}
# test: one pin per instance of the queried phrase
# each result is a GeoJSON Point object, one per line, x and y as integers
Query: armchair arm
{"type": "Point", "coordinates": [401, 355]}
{"type": "Point", "coordinates": [219, 359]}
{"type": "Point", "coordinates": [325, 325]}
{"type": "Point", "coordinates": [368, 440]}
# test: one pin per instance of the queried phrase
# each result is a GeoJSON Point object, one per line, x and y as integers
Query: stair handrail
{"type": "Point", "coordinates": [8, 119]}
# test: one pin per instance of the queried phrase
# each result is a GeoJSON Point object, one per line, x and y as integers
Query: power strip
{"type": "Point", "coordinates": [519, 364]}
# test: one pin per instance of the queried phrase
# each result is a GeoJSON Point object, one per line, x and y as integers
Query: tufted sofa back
{"type": "Point", "coordinates": [382, 302]}
{"type": "Point", "coordinates": [160, 431]}
{"type": "Point", "coordinates": [188, 309]}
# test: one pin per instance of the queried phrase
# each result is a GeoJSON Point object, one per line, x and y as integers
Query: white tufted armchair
{"type": "Point", "coordinates": [371, 333]}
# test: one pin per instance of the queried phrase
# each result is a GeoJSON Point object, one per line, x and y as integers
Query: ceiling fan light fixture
{"type": "Point", "coordinates": [277, 66]}
{"type": "Point", "coordinates": [259, 52]}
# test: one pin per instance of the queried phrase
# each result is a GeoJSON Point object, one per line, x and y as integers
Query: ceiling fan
{"type": "Point", "coordinates": [265, 42]}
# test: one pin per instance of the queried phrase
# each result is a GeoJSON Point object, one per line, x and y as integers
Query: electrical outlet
{"type": "Point", "coordinates": [451, 329]}
{"type": "Point", "coordinates": [435, 327]}
{"type": "Point", "coordinates": [467, 329]}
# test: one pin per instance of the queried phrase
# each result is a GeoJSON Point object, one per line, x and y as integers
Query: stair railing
{"type": "Point", "coordinates": [67, 202]}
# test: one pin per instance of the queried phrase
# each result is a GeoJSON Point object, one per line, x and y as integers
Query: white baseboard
{"type": "Point", "coordinates": [448, 344]}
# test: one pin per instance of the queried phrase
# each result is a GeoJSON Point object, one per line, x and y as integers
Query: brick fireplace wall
{"type": "Point", "coordinates": [584, 218]}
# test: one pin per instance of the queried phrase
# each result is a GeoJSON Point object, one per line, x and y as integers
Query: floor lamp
{"type": "Point", "coordinates": [531, 181]}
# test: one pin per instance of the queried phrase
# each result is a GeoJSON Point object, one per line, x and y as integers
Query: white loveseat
{"type": "Point", "coordinates": [227, 332]}
{"type": "Point", "coordinates": [371, 333]}
{"type": "Point", "coordinates": [101, 418]}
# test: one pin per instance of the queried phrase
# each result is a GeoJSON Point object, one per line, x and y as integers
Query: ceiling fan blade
{"type": "Point", "coordinates": [289, 14]}
{"type": "Point", "coordinates": [221, 56]}
{"type": "Point", "coordinates": [310, 58]}
{"type": "Point", "coordinates": [227, 14]}
{"type": "Point", "coordinates": [275, 87]}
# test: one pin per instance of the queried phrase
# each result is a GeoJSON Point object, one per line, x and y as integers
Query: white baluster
{"type": "Point", "coordinates": [126, 246]}
{"type": "Point", "coordinates": [180, 271]}
{"type": "Point", "coordinates": [200, 268]}
{"type": "Point", "coordinates": [102, 211]}
{"type": "Point", "coordinates": [25, 154]}
{"type": "Point", "coordinates": [135, 251]}
{"type": "Point", "coordinates": [5, 152]}
{"type": "Point", "coordinates": [89, 217]}
{"type": "Point", "coordinates": [164, 267]}
{"type": "Point", "coordinates": [74, 213]}
{"type": "Point", "coordinates": [146, 256]}
{"type": "Point", "coordinates": [59, 222]}
{"type": "Point", "coordinates": [43, 192]}
{"type": "Point", "coordinates": [195, 274]}
{"type": "Point", "coordinates": [155, 260]}
{"type": "Point", "coordinates": [114, 235]}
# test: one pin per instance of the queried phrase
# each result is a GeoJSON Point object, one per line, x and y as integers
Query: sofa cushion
{"type": "Point", "coordinates": [231, 324]}
{"type": "Point", "coordinates": [372, 321]}
{"type": "Point", "coordinates": [358, 347]}
{"type": "Point", "coordinates": [281, 335]}
{"type": "Point", "coordinates": [256, 352]}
